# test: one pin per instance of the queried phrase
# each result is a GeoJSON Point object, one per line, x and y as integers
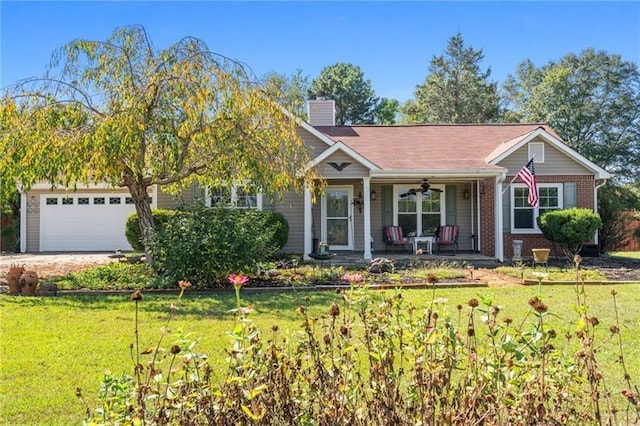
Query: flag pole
{"type": "Point", "coordinates": [516, 176]}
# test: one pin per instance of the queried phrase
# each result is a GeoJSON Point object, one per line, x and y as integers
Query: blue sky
{"type": "Point", "coordinates": [392, 42]}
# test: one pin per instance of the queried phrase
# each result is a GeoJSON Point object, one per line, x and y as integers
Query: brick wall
{"type": "Point", "coordinates": [584, 198]}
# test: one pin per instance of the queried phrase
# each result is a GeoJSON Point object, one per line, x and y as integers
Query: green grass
{"type": "Point", "coordinates": [626, 254]}
{"type": "Point", "coordinates": [554, 273]}
{"type": "Point", "coordinates": [50, 346]}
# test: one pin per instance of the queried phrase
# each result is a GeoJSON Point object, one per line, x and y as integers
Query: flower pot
{"type": "Point", "coordinates": [541, 255]}
{"type": "Point", "coordinates": [29, 282]}
{"type": "Point", "coordinates": [13, 279]}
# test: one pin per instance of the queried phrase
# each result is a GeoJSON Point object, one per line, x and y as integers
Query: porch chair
{"type": "Point", "coordinates": [393, 236]}
{"type": "Point", "coordinates": [447, 236]}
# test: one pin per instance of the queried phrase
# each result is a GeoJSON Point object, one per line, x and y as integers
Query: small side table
{"type": "Point", "coordinates": [427, 240]}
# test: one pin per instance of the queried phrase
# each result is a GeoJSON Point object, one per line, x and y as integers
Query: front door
{"type": "Point", "coordinates": [337, 213]}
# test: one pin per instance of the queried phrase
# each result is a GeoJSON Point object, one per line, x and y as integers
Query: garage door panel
{"type": "Point", "coordinates": [84, 222]}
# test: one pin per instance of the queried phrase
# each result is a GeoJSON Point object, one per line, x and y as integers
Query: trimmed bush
{"type": "Point", "coordinates": [205, 244]}
{"type": "Point", "coordinates": [280, 226]}
{"type": "Point", "coordinates": [132, 229]}
{"type": "Point", "coordinates": [570, 228]}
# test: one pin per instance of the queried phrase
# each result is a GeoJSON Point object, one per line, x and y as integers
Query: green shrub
{"type": "Point", "coordinates": [113, 276]}
{"type": "Point", "coordinates": [280, 226]}
{"type": "Point", "coordinates": [570, 228]}
{"type": "Point", "coordinates": [132, 229]}
{"type": "Point", "coordinates": [205, 244]}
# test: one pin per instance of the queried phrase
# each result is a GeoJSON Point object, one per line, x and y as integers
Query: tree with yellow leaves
{"type": "Point", "coordinates": [121, 112]}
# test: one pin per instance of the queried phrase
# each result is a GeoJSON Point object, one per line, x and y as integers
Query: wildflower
{"type": "Point", "coordinates": [183, 284]}
{"type": "Point", "coordinates": [614, 329]}
{"type": "Point", "coordinates": [353, 278]}
{"type": "Point", "coordinates": [238, 280]}
{"type": "Point", "coordinates": [136, 296]}
{"type": "Point", "coordinates": [334, 310]}
{"type": "Point", "coordinates": [593, 321]}
{"type": "Point", "coordinates": [508, 320]}
{"type": "Point", "coordinates": [473, 302]}
{"type": "Point", "coordinates": [613, 292]}
{"type": "Point", "coordinates": [432, 279]}
{"type": "Point", "coordinates": [577, 259]}
{"type": "Point", "coordinates": [540, 307]}
{"type": "Point", "coordinates": [175, 349]}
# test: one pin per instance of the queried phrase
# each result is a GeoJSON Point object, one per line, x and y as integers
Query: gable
{"type": "Point", "coordinates": [340, 160]}
{"type": "Point", "coordinates": [555, 162]}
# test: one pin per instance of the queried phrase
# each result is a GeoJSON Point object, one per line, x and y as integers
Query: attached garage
{"type": "Point", "coordinates": [84, 221]}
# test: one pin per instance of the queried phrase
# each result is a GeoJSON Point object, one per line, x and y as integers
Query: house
{"type": "Point", "coordinates": [370, 172]}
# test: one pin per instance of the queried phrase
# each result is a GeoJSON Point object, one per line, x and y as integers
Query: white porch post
{"type": "Point", "coordinates": [308, 221]}
{"type": "Point", "coordinates": [23, 222]}
{"type": "Point", "coordinates": [498, 216]}
{"type": "Point", "coordinates": [367, 217]}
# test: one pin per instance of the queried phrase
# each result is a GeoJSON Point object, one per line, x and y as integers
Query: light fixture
{"type": "Point", "coordinates": [374, 196]}
{"type": "Point", "coordinates": [358, 202]}
{"type": "Point", "coordinates": [466, 195]}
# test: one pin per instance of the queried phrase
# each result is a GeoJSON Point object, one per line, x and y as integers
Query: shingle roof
{"type": "Point", "coordinates": [433, 147]}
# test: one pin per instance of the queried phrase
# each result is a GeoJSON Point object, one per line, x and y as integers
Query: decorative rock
{"type": "Point", "coordinates": [380, 265]}
{"type": "Point", "coordinates": [48, 289]}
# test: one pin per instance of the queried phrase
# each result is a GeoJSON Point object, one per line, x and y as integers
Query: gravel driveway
{"type": "Point", "coordinates": [52, 264]}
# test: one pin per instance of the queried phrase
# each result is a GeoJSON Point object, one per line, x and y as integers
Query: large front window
{"type": "Point", "coordinates": [420, 213]}
{"type": "Point", "coordinates": [236, 196]}
{"type": "Point", "coordinates": [523, 216]}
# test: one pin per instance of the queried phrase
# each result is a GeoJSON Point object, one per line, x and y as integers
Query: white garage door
{"type": "Point", "coordinates": [84, 222]}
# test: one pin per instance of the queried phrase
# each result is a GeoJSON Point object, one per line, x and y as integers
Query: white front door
{"type": "Point", "coordinates": [337, 217]}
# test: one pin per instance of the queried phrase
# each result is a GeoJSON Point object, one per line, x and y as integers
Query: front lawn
{"type": "Point", "coordinates": [51, 346]}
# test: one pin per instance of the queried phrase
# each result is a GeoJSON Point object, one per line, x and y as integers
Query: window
{"type": "Point", "coordinates": [114, 200]}
{"type": "Point", "coordinates": [536, 151]}
{"type": "Point", "coordinates": [128, 200]}
{"type": "Point", "coordinates": [66, 201]}
{"type": "Point", "coordinates": [83, 201]}
{"type": "Point", "coordinates": [98, 200]}
{"type": "Point", "coordinates": [523, 216]}
{"type": "Point", "coordinates": [418, 213]}
{"type": "Point", "coordinates": [237, 196]}
{"type": "Point", "coordinates": [52, 201]}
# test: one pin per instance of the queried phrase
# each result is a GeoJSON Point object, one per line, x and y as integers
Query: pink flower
{"type": "Point", "coordinates": [238, 280]}
{"type": "Point", "coordinates": [353, 278]}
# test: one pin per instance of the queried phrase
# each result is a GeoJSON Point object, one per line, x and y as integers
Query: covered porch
{"type": "Point", "coordinates": [351, 214]}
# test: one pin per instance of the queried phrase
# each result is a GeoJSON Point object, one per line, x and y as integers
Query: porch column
{"type": "Point", "coordinates": [23, 221]}
{"type": "Point", "coordinates": [498, 215]}
{"type": "Point", "coordinates": [366, 187]}
{"type": "Point", "coordinates": [308, 221]}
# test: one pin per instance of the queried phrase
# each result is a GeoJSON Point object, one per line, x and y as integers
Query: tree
{"type": "Point", "coordinates": [571, 228]}
{"type": "Point", "coordinates": [591, 100]}
{"type": "Point", "coordinates": [386, 111]}
{"type": "Point", "coordinates": [355, 100]}
{"type": "Point", "coordinates": [120, 112]}
{"type": "Point", "coordinates": [455, 90]}
{"type": "Point", "coordinates": [613, 201]}
{"type": "Point", "coordinates": [289, 91]}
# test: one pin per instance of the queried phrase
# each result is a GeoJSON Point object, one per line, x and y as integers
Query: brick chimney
{"type": "Point", "coordinates": [321, 112]}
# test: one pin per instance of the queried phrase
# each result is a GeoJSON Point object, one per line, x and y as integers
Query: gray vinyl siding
{"type": "Point", "coordinates": [291, 205]}
{"type": "Point", "coordinates": [353, 170]}
{"type": "Point", "coordinates": [555, 162]}
{"type": "Point", "coordinates": [188, 196]}
{"type": "Point", "coordinates": [313, 144]}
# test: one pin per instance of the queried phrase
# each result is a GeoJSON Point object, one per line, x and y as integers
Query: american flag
{"type": "Point", "coordinates": [528, 176]}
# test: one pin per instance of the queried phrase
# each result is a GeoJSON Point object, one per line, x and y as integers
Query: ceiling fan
{"type": "Point", "coordinates": [425, 186]}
